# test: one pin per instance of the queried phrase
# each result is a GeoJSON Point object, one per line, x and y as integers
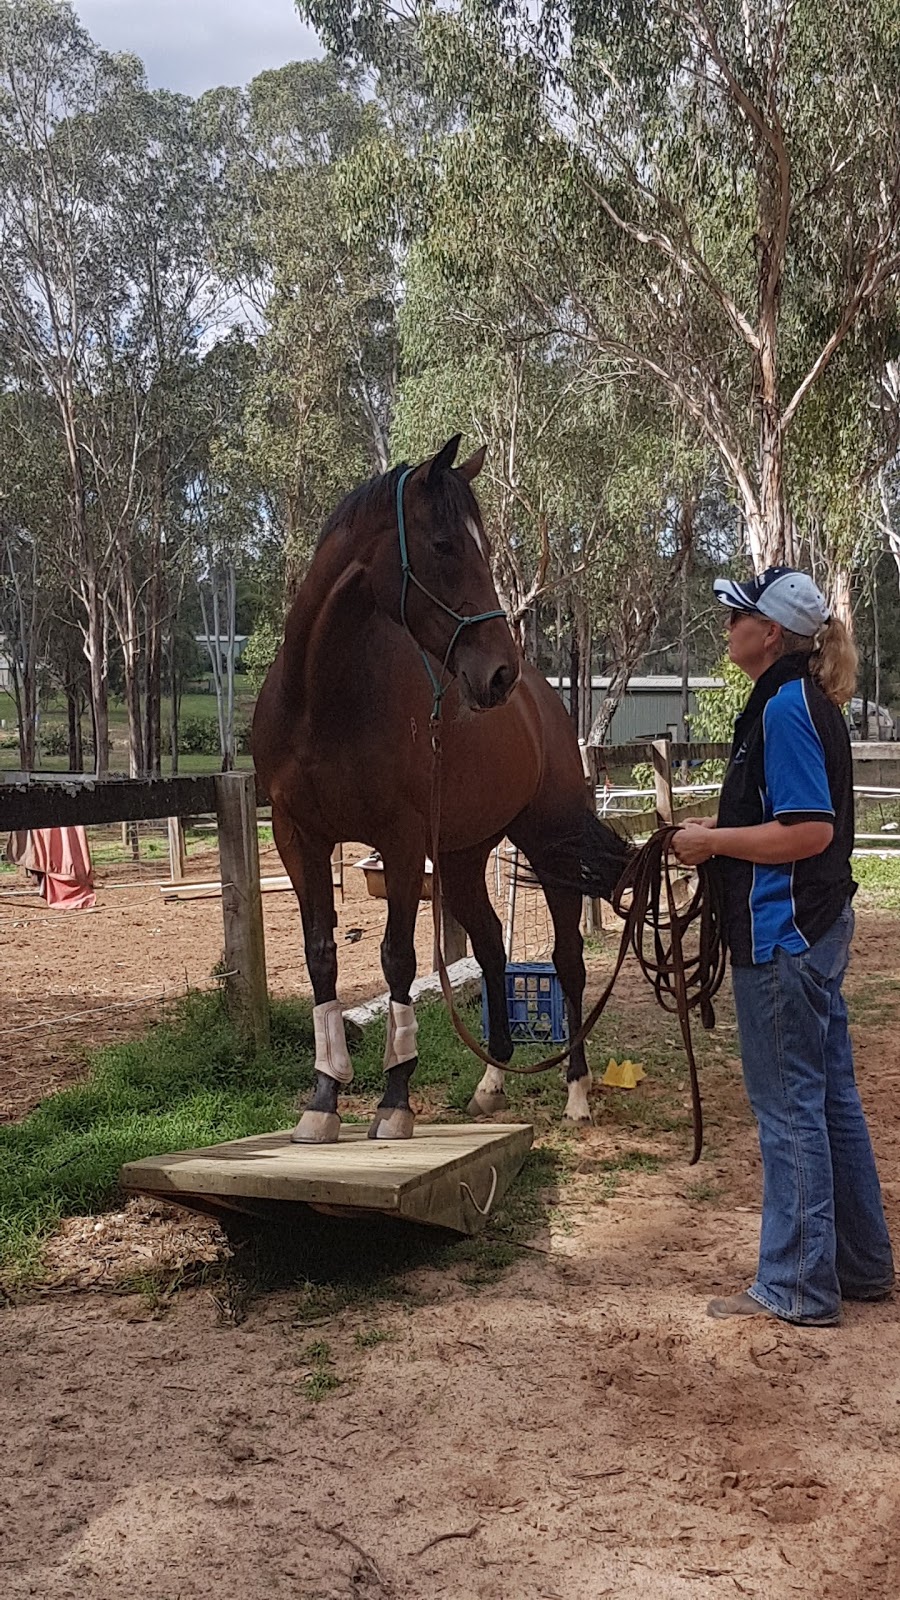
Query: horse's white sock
{"type": "Point", "coordinates": [402, 1029]}
{"type": "Point", "coordinates": [332, 1055]}
{"type": "Point", "coordinates": [492, 1082]}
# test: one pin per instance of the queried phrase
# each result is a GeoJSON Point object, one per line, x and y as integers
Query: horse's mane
{"type": "Point", "coordinates": [378, 496]}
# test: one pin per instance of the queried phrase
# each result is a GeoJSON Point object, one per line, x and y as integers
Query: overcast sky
{"type": "Point", "coordinates": [194, 45]}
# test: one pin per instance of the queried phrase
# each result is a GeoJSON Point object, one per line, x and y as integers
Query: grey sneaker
{"type": "Point", "coordinates": [737, 1305]}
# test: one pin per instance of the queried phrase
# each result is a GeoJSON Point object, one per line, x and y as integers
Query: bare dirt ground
{"type": "Point", "coordinates": [575, 1429]}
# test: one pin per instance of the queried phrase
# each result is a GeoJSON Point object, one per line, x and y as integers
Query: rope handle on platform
{"type": "Point", "coordinates": [484, 1210]}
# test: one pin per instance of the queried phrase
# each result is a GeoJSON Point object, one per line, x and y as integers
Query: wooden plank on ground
{"type": "Point", "coordinates": [442, 1176]}
{"type": "Point", "coordinates": [209, 891]}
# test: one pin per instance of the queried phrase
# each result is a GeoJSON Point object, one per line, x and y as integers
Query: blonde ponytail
{"type": "Point", "coordinates": [834, 661]}
{"type": "Point", "coordinates": [832, 658]}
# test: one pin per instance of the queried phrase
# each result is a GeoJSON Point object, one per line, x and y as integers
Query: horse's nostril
{"type": "Point", "coordinates": [501, 683]}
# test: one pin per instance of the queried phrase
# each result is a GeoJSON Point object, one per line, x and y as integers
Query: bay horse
{"type": "Point", "coordinates": [398, 606]}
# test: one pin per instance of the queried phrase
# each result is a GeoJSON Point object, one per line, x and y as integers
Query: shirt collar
{"type": "Point", "coordinates": [784, 670]}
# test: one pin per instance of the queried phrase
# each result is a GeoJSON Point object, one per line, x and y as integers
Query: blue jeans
{"type": "Point", "coordinates": [823, 1231]}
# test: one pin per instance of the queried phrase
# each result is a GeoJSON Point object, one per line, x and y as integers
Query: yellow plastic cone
{"type": "Point", "coordinates": [623, 1074]}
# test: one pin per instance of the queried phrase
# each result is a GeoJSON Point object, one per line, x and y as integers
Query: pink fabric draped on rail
{"type": "Point", "coordinates": [62, 857]}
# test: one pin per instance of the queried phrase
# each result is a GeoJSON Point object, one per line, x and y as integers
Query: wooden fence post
{"type": "Point", "coordinates": [176, 849]}
{"type": "Point", "coordinates": [246, 991]}
{"type": "Point", "coordinates": [453, 936]}
{"type": "Point", "coordinates": [662, 778]}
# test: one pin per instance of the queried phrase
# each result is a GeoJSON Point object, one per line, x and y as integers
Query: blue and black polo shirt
{"type": "Point", "coordinates": [791, 762]}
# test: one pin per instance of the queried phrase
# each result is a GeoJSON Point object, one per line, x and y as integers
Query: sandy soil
{"type": "Point", "coordinates": [574, 1430]}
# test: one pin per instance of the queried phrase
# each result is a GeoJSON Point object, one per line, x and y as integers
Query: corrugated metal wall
{"type": "Point", "coordinates": [645, 714]}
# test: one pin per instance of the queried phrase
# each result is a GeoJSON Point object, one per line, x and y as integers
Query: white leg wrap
{"type": "Point", "coordinates": [492, 1082]}
{"type": "Point", "coordinates": [332, 1055]}
{"type": "Point", "coordinates": [578, 1106]}
{"type": "Point", "coordinates": [402, 1029]}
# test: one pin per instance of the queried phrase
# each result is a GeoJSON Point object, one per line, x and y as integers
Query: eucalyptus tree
{"type": "Point", "coordinates": [60, 98]}
{"type": "Point", "coordinates": [707, 190]}
{"type": "Point", "coordinates": [32, 506]}
{"type": "Point", "coordinates": [321, 302]}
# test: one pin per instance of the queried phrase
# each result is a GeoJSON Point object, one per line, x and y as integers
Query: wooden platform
{"type": "Point", "coordinates": [442, 1176]}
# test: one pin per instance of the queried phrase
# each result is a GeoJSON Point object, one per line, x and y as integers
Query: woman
{"type": "Point", "coordinates": [783, 837]}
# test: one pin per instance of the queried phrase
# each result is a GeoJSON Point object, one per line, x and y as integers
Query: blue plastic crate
{"type": "Point", "coordinates": [535, 1003]}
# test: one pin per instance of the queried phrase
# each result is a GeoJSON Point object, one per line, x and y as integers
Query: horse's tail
{"type": "Point", "coordinates": [604, 856]}
{"type": "Point", "coordinates": [589, 861]}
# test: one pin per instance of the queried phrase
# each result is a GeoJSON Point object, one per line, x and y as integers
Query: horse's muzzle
{"type": "Point", "coordinates": [493, 691]}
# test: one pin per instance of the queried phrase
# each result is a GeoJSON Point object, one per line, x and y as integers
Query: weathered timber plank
{"type": "Point", "coordinates": [63, 801]}
{"type": "Point", "coordinates": [423, 1179]}
{"type": "Point", "coordinates": [38, 803]}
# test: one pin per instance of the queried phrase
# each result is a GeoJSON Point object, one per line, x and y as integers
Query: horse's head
{"type": "Point", "coordinates": [449, 580]}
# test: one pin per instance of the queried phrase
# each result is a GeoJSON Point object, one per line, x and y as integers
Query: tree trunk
{"type": "Point", "coordinates": [574, 675]}
{"type": "Point", "coordinates": [772, 542]}
{"type": "Point", "coordinates": [876, 646]}
{"type": "Point", "coordinates": [25, 687]}
{"type": "Point", "coordinates": [96, 648]}
{"type": "Point", "coordinates": [175, 692]}
{"type": "Point", "coordinates": [73, 712]}
{"type": "Point", "coordinates": [611, 700]}
{"type": "Point", "coordinates": [153, 632]}
{"type": "Point", "coordinates": [587, 700]}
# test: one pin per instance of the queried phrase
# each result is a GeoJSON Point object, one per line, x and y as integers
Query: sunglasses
{"type": "Point", "coordinates": [737, 612]}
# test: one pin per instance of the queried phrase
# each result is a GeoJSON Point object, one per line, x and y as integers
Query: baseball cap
{"type": "Point", "coordinates": [780, 593]}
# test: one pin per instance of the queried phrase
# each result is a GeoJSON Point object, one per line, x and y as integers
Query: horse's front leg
{"type": "Point", "coordinates": [404, 869]}
{"type": "Point", "coordinates": [308, 863]}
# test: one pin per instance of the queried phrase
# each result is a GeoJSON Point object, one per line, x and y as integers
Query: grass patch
{"type": "Point", "coordinates": [369, 1338]}
{"type": "Point", "coordinates": [319, 1381]}
{"type": "Point", "coordinates": [879, 882]}
{"type": "Point", "coordinates": [703, 1193]}
{"type": "Point", "coordinates": [187, 1082]}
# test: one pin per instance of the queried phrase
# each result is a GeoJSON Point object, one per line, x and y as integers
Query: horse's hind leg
{"type": "Point", "coordinates": [308, 863]}
{"type": "Point", "coordinates": [568, 959]}
{"type": "Point", "coordinates": [404, 868]}
{"type": "Point", "coordinates": [462, 876]}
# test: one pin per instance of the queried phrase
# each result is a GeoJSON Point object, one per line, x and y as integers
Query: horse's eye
{"type": "Point", "coordinates": [443, 547]}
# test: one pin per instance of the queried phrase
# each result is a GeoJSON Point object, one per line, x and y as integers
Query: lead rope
{"type": "Point", "coordinates": [681, 984]}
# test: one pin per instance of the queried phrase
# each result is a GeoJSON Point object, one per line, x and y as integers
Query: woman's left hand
{"type": "Point", "coordinates": [694, 843]}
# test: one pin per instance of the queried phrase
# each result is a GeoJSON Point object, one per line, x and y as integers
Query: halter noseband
{"type": "Point", "coordinates": [409, 577]}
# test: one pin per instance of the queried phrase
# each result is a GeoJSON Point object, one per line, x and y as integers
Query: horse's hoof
{"type": "Point", "coordinates": [395, 1122]}
{"type": "Point", "coordinates": [485, 1105]}
{"type": "Point", "coordinates": [579, 1122]}
{"type": "Point", "coordinates": [317, 1127]}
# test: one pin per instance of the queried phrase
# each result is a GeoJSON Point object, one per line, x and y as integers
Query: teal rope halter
{"type": "Point", "coordinates": [438, 687]}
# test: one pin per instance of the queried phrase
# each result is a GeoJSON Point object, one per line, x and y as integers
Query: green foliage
{"type": "Point", "coordinates": [718, 709]}
{"type": "Point", "coordinates": [259, 652]}
{"type": "Point", "coordinates": [54, 741]}
{"type": "Point", "coordinates": [199, 736]}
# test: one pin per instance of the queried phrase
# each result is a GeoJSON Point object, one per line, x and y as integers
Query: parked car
{"type": "Point", "coordinates": [880, 722]}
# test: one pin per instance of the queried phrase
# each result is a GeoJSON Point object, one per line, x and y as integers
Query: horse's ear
{"type": "Point", "coordinates": [471, 468]}
{"type": "Point", "coordinates": [444, 459]}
